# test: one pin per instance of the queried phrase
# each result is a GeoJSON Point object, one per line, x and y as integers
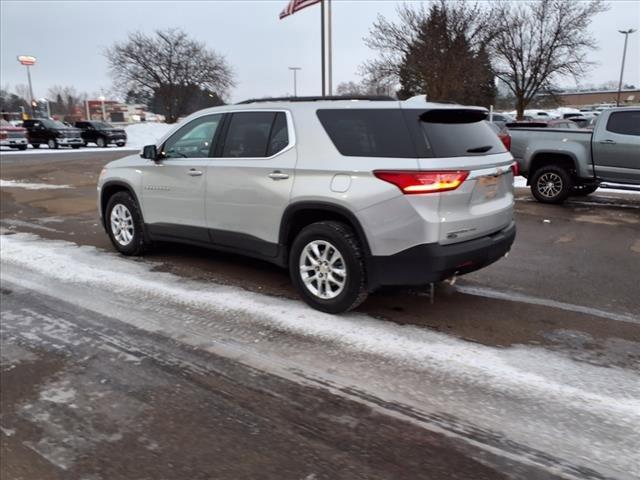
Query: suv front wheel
{"type": "Point", "coordinates": [327, 267]}
{"type": "Point", "coordinates": [124, 224]}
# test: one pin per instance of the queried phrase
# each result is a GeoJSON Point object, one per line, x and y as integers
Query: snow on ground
{"type": "Point", "coordinates": [532, 372]}
{"type": "Point", "coordinates": [30, 186]}
{"type": "Point", "coordinates": [145, 133]}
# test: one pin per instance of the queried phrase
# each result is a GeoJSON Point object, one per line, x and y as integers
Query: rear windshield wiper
{"type": "Point", "coordinates": [486, 148]}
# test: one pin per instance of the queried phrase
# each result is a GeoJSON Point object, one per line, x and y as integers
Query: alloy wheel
{"type": "Point", "coordinates": [122, 224]}
{"type": "Point", "coordinates": [323, 269]}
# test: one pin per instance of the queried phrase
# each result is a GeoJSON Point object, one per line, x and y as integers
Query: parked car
{"type": "Point", "coordinates": [52, 133]}
{"type": "Point", "coordinates": [560, 163]}
{"type": "Point", "coordinates": [558, 124]}
{"type": "Point", "coordinates": [101, 133]}
{"type": "Point", "coordinates": [349, 195]}
{"type": "Point", "coordinates": [13, 137]}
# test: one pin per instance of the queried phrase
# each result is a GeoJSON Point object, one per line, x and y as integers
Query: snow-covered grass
{"type": "Point", "coordinates": [533, 372]}
{"type": "Point", "coordinates": [30, 186]}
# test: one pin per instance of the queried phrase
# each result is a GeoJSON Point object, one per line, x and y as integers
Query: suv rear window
{"type": "Point", "coordinates": [625, 123]}
{"type": "Point", "coordinates": [410, 133]}
{"type": "Point", "coordinates": [452, 133]}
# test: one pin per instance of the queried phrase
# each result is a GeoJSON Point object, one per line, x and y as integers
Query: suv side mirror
{"type": "Point", "coordinates": [150, 152]}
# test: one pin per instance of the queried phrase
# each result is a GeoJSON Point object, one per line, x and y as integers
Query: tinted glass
{"type": "Point", "coordinates": [452, 133]}
{"type": "Point", "coordinates": [194, 140]}
{"type": "Point", "coordinates": [368, 133]}
{"type": "Point", "coordinates": [279, 135]}
{"type": "Point", "coordinates": [625, 123]}
{"type": "Point", "coordinates": [248, 134]}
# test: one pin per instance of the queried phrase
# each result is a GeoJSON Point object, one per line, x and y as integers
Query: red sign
{"type": "Point", "coordinates": [27, 60]}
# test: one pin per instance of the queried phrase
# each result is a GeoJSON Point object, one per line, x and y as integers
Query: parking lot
{"type": "Point", "coordinates": [525, 369]}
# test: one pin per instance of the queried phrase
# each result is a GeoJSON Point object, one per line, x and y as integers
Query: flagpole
{"type": "Point", "coordinates": [329, 60]}
{"type": "Point", "coordinates": [322, 53]}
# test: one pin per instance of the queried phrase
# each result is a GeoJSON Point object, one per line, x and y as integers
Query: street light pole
{"type": "Point", "coordinates": [295, 79]}
{"type": "Point", "coordinates": [626, 34]}
{"type": "Point", "coordinates": [102, 99]}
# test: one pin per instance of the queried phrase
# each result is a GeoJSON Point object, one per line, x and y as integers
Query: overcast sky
{"type": "Point", "coordinates": [69, 37]}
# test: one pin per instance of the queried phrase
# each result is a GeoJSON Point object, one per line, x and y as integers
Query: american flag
{"type": "Point", "coordinates": [295, 5]}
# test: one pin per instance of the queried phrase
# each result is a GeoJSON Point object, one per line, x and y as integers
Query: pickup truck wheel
{"type": "Point", "coordinates": [327, 267]}
{"type": "Point", "coordinates": [35, 145]}
{"type": "Point", "coordinates": [125, 225]}
{"type": "Point", "coordinates": [101, 143]}
{"type": "Point", "coordinates": [551, 184]}
{"type": "Point", "coordinates": [22, 147]}
{"type": "Point", "coordinates": [584, 190]}
{"type": "Point", "coordinates": [52, 144]}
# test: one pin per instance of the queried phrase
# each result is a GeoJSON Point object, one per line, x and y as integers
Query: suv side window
{"type": "Point", "coordinates": [255, 135]}
{"type": "Point", "coordinates": [194, 140]}
{"type": "Point", "coordinates": [279, 138]}
{"type": "Point", "coordinates": [368, 132]}
{"type": "Point", "coordinates": [624, 123]}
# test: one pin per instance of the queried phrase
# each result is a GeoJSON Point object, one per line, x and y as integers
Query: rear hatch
{"type": "Point", "coordinates": [460, 139]}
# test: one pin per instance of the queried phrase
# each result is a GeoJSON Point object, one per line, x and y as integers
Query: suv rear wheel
{"type": "Point", "coordinates": [327, 267]}
{"type": "Point", "coordinates": [124, 224]}
{"type": "Point", "coordinates": [551, 184]}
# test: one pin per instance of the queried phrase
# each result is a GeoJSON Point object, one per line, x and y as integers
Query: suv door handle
{"type": "Point", "coordinates": [194, 173]}
{"type": "Point", "coordinates": [278, 175]}
{"type": "Point", "coordinates": [608, 142]}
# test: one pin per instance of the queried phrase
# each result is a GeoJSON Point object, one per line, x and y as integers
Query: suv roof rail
{"type": "Point", "coordinates": [375, 98]}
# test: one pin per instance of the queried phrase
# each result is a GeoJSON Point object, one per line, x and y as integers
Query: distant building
{"type": "Point", "coordinates": [582, 99]}
{"type": "Point", "coordinates": [116, 112]}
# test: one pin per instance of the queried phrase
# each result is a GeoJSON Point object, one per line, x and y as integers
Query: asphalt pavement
{"type": "Point", "coordinates": [191, 363]}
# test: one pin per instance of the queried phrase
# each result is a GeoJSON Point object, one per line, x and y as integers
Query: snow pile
{"type": "Point", "coordinates": [30, 186]}
{"type": "Point", "coordinates": [145, 133]}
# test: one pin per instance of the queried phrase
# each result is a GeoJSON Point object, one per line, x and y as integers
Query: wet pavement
{"type": "Point", "coordinates": [196, 364]}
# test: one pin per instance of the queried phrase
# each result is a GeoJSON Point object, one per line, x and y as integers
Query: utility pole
{"type": "Point", "coordinates": [295, 79]}
{"type": "Point", "coordinates": [626, 34]}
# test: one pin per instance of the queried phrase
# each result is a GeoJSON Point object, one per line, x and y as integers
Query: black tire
{"type": "Point", "coordinates": [35, 145]}
{"type": "Point", "coordinates": [75, 147]}
{"type": "Point", "coordinates": [52, 143]}
{"type": "Point", "coordinates": [551, 174]}
{"type": "Point", "coordinates": [22, 147]}
{"type": "Point", "coordinates": [120, 144]}
{"type": "Point", "coordinates": [583, 190]}
{"type": "Point", "coordinates": [101, 142]}
{"type": "Point", "coordinates": [138, 243]}
{"type": "Point", "coordinates": [343, 239]}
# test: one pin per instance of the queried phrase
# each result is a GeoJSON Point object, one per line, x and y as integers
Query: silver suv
{"type": "Point", "coordinates": [350, 195]}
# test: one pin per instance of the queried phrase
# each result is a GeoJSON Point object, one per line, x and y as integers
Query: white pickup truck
{"type": "Point", "coordinates": [562, 162]}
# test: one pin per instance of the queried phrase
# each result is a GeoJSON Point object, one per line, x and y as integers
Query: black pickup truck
{"type": "Point", "coordinates": [101, 133]}
{"type": "Point", "coordinates": [52, 133]}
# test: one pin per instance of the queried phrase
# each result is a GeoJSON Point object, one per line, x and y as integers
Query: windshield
{"type": "Point", "coordinates": [101, 125]}
{"type": "Point", "coordinates": [53, 123]}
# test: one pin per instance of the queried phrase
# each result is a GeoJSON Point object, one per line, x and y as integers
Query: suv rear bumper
{"type": "Point", "coordinates": [433, 262]}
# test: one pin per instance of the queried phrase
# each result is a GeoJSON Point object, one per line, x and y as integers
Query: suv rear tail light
{"type": "Point", "coordinates": [506, 140]}
{"type": "Point", "coordinates": [424, 182]}
{"type": "Point", "coordinates": [515, 168]}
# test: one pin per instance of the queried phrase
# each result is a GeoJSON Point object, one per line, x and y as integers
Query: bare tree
{"type": "Point", "coordinates": [65, 100]}
{"type": "Point", "coordinates": [538, 42]}
{"type": "Point", "coordinates": [170, 67]}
